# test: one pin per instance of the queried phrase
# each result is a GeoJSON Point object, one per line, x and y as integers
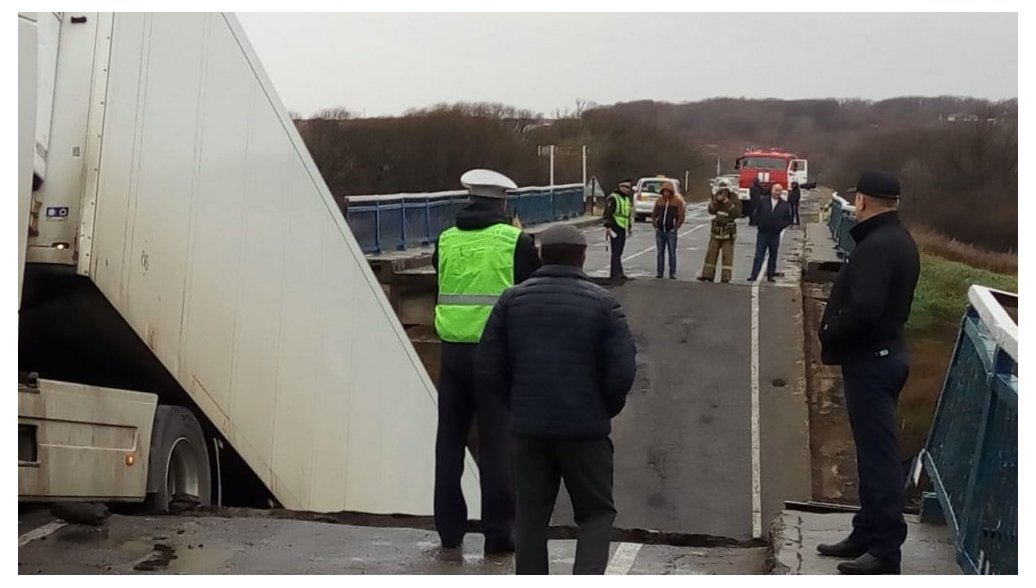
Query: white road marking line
{"type": "Point", "coordinates": [757, 506]}
{"type": "Point", "coordinates": [622, 560]}
{"type": "Point", "coordinates": [39, 533]}
{"type": "Point", "coordinates": [653, 247]}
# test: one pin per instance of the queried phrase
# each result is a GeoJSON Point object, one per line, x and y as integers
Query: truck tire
{"type": "Point", "coordinates": [179, 477]}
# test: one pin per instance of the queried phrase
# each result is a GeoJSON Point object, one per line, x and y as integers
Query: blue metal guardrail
{"type": "Point", "coordinates": [395, 222]}
{"type": "Point", "coordinates": [842, 218]}
{"type": "Point", "coordinates": [971, 455]}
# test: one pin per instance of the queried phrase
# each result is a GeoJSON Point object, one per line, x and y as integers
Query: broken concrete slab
{"type": "Point", "coordinates": [795, 535]}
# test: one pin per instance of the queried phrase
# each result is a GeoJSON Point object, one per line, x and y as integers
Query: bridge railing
{"type": "Point", "coordinates": [841, 219]}
{"type": "Point", "coordinates": [971, 455]}
{"type": "Point", "coordinates": [394, 222]}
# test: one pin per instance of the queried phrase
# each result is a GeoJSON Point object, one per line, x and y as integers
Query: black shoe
{"type": "Point", "coordinates": [770, 280]}
{"type": "Point", "coordinates": [703, 279]}
{"type": "Point", "coordinates": [658, 277]}
{"type": "Point", "coordinates": [844, 548]}
{"type": "Point", "coordinates": [497, 547]}
{"type": "Point", "coordinates": [672, 277]}
{"type": "Point", "coordinates": [869, 565]}
{"type": "Point", "coordinates": [751, 279]}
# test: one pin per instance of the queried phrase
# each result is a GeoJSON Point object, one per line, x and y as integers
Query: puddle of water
{"type": "Point", "coordinates": [200, 560]}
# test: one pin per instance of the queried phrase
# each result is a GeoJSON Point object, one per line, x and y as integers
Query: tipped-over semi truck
{"type": "Point", "coordinates": [189, 293]}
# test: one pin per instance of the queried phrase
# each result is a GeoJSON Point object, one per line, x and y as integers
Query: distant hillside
{"type": "Point", "coordinates": [957, 157]}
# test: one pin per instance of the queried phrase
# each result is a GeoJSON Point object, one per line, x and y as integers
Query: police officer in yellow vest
{"type": "Point", "coordinates": [618, 219]}
{"type": "Point", "coordinates": [476, 260]}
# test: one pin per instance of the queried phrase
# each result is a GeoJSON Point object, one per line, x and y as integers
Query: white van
{"type": "Point", "coordinates": [646, 192]}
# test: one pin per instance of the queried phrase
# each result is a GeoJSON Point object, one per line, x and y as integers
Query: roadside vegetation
{"type": "Point", "coordinates": [939, 303]}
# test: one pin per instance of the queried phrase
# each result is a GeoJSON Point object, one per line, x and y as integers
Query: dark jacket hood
{"type": "Point", "coordinates": [479, 215]}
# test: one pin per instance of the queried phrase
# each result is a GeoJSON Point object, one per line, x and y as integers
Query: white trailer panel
{"type": "Point", "coordinates": [218, 241]}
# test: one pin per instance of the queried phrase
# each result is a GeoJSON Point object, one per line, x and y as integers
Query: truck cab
{"type": "Point", "coordinates": [769, 167]}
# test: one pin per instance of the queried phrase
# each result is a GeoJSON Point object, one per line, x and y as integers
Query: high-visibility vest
{"type": "Point", "coordinates": [622, 210]}
{"type": "Point", "coordinates": [475, 267]}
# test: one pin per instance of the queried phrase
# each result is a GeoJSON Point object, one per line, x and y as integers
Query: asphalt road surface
{"type": "Point", "coordinates": [713, 439]}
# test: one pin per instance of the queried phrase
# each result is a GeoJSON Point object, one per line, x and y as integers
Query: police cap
{"type": "Point", "coordinates": [487, 183]}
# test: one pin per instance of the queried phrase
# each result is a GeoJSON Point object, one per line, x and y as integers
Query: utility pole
{"type": "Point", "coordinates": [686, 180]}
{"type": "Point", "coordinates": [584, 166]}
{"type": "Point", "coordinates": [552, 149]}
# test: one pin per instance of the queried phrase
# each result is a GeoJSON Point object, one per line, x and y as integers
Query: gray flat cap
{"type": "Point", "coordinates": [561, 235]}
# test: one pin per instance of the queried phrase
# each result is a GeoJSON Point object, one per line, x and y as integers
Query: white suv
{"type": "Point", "coordinates": [646, 192]}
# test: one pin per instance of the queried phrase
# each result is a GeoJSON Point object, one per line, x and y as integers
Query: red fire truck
{"type": "Point", "coordinates": [770, 166]}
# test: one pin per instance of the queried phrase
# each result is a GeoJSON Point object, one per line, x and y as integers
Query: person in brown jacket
{"type": "Point", "coordinates": [667, 217]}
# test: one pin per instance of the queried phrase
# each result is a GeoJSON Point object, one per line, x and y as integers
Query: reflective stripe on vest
{"type": "Point", "coordinates": [622, 210]}
{"type": "Point", "coordinates": [475, 267]}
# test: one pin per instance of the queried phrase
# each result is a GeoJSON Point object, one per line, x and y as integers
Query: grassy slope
{"type": "Point", "coordinates": [939, 303]}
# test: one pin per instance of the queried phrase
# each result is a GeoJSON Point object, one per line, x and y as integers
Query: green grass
{"type": "Point", "coordinates": [942, 293]}
{"type": "Point", "coordinates": [939, 303]}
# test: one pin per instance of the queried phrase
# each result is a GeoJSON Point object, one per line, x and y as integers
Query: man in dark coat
{"type": "Point", "coordinates": [773, 215]}
{"type": "Point", "coordinates": [862, 330]}
{"type": "Point", "coordinates": [794, 198]}
{"type": "Point", "coordinates": [559, 350]}
{"type": "Point", "coordinates": [755, 195]}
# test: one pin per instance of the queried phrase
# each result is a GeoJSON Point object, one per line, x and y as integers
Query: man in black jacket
{"type": "Point", "coordinates": [794, 199]}
{"type": "Point", "coordinates": [862, 330]}
{"type": "Point", "coordinates": [476, 259]}
{"type": "Point", "coordinates": [559, 350]}
{"type": "Point", "coordinates": [773, 215]}
{"type": "Point", "coordinates": [755, 196]}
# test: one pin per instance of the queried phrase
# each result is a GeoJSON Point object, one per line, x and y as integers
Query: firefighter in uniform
{"type": "Point", "coordinates": [619, 222]}
{"type": "Point", "coordinates": [476, 260]}
{"type": "Point", "coordinates": [726, 209]}
{"type": "Point", "coordinates": [862, 330]}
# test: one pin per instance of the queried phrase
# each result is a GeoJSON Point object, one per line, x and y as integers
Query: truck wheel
{"type": "Point", "coordinates": [179, 477]}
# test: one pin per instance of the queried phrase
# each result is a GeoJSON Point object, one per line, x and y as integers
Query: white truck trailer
{"type": "Point", "coordinates": [188, 278]}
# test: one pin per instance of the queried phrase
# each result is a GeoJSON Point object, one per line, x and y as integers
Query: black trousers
{"type": "Point", "coordinates": [459, 403]}
{"type": "Point", "coordinates": [586, 467]}
{"type": "Point", "coordinates": [618, 244]}
{"type": "Point", "coordinates": [766, 245]}
{"type": "Point", "coordinates": [872, 387]}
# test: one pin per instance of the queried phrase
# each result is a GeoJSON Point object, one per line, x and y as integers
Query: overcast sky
{"type": "Point", "coordinates": [383, 64]}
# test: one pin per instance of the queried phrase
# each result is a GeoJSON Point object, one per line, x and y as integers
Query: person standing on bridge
{"type": "Point", "coordinates": [559, 351]}
{"type": "Point", "coordinates": [773, 215]}
{"type": "Point", "coordinates": [722, 233]}
{"type": "Point", "coordinates": [476, 260]}
{"type": "Point", "coordinates": [667, 216]}
{"type": "Point", "coordinates": [794, 199]}
{"type": "Point", "coordinates": [862, 330]}
{"type": "Point", "coordinates": [618, 220]}
{"type": "Point", "coordinates": [755, 195]}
